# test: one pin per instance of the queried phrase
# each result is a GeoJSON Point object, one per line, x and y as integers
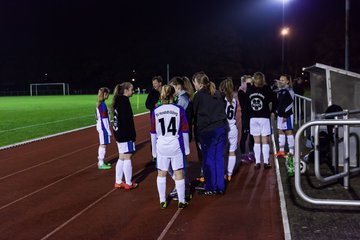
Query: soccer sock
{"type": "Point", "coordinates": [257, 152]}
{"type": "Point", "coordinates": [290, 139]}
{"type": "Point", "coordinates": [127, 171]}
{"type": "Point", "coordinates": [281, 142]}
{"type": "Point", "coordinates": [180, 188]}
{"type": "Point", "coordinates": [101, 155]}
{"type": "Point", "coordinates": [266, 152]}
{"type": "Point", "coordinates": [119, 171]}
{"type": "Point", "coordinates": [161, 186]}
{"type": "Point", "coordinates": [231, 165]}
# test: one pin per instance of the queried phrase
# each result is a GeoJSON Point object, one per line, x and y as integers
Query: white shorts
{"type": "Point", "coordinates": [287, 125]}
{"type": "Point", "coordinates": [233, 138]}
{"type": "Point", "coordinates": [104, 137]}
{"type": "Point", "coordinates": [163, 162]}
{"type": "Point", "coordinates": [260, 126]}
{"type": "Point", "coordinates": [126, 147]}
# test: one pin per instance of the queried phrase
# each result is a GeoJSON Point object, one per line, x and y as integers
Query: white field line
{"type": "Point", "coordinates": [82, 211]}
{"type": "Point", "coordinates": [46, 162]}
{"type": "Point", "coordinates": [170, 223]}
{"type": "Point", "coordinates": [59, 180]}
{"type": "Point", "coordinates": [46, 123]}
{"type": "Point", "coordinates": [53, 135]}
{"type": "Point", "coordinates": [285, 218]}
{"type": "Point", "coordinates": [45, 187]}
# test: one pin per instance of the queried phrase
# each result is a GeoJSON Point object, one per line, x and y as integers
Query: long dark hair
{"type": "Point", "coordinates": [227, 87]}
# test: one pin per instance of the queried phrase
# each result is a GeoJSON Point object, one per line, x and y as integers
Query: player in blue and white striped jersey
{"type": "Point", "coordinates": [103, 126]}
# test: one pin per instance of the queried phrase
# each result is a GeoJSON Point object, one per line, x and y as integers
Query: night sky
{"type": "Point", "coordinates": [90, 43]}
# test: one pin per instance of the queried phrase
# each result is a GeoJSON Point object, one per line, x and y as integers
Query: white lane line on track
{"type": "Point", "coordinates": [46, 123]}
{"type": "Point", "coordinates": [53, 135]}
{"type": "Point", "coordinates": [82, 211]}
{"type": "Point", "coordinates": [59, 180]}
{"type": "Point", "coordinates": [77, 215]}
{"type": "Point", "coordinates": [285, 218]}
{"type": "Point", "coordinates": [170, 223]}
{"type": "Point", "coordinates": [46, 162]}
{"type": "Point", "coordinates": [45, 187]}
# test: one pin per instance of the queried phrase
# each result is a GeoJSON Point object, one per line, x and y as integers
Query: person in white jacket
{"type": "Point", "coordinates": [170, 143]}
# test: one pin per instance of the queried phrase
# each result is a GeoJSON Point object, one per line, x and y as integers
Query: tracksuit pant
{"type": "Point", "coordinates": [213, 148]}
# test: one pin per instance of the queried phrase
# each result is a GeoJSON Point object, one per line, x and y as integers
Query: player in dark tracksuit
{"type": "Point", "coordinates": [209, 110]}
{"type": "Point", "coordinates": [154, 96]}
{"type": "Point", "coordinates": [245, 121]}
{"type": "Point", "coordinates": [285, 99]}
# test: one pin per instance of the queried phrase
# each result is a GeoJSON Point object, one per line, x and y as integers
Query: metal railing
{"type": "Point", "coordinates": [302, 110]}
{"type": "Point", "coordinates": [345, 123]}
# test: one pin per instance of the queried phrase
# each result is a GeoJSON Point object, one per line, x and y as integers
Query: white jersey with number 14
{"type": "Point", "coordinates": [168, 123]}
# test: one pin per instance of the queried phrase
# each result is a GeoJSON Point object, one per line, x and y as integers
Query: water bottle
{"type": "Point", "coordinates": [290, 165]}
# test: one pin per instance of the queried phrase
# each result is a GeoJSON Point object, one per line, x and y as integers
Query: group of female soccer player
{"type": "Point", "coordinates": [212, 112]}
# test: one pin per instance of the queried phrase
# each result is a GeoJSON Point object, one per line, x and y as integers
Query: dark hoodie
{"type": "Point", "coordinates": [209, 111]}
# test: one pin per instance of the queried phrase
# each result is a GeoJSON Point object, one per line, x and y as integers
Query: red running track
{"type": "Point", "coordinates": [52, 189]}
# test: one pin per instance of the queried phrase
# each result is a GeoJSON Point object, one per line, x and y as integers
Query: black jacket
{"type": "Point", "coordinates": [209, 111]}
{"type": "Point", "coordinates": [124, 127]}
{"type": "Point", "coordinates": [152, 99]}
{"type": "Point", "coordinates": [259, 99]}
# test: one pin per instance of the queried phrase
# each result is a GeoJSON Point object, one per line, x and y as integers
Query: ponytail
{"type": "Point", "coordinates": [118, 91]}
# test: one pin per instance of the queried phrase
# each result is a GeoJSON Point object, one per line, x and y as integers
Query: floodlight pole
{"type": "Point", "coordinates": [283, 38]}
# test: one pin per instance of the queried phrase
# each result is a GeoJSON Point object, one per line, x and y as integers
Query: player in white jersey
{"type": "Point", "coordinates": [227, 88]}
{"type": "Point", "coordinates": [103, 126]}
{"type": "Point", "coordinates": [170, 143]}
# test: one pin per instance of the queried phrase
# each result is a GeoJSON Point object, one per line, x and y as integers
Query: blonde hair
{"type": "Point", "coordinates": [101, 95]}
{"type": "Point", "coordinates": [202, 78]}
{"type": "Point", "coordinates": [167, 94]}
{"type": "Point", "coordinates": [259, 79]}
{"type": "Point", "coordinates": [227, 87]}
{"type": "Point", "coordinates": [118, 91]}
{"type": "Point", "coordinates": [243, 78]}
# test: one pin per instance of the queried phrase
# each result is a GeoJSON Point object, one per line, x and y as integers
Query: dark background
{"type": "Point", "coordinates": [90, 43]}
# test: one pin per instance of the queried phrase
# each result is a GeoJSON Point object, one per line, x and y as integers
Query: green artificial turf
{"type": "Point", "coordinates": [25, 118]}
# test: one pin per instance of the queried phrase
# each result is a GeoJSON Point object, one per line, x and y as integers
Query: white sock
{"type": "Point", "coordinates": [161, 186]}
{"type": "Point", "coordinates": [281, 142]}
{"type": "Point", "coordinates": [119, 171]}
{"type": "Point", "coordinates": [266, 152]}
{"type": "Point", "coordinates": [180, 188]}
{"type": "Point", "coordinates": [290, 139]}
{"type": "Point", "coordinates": [127, 171]}
{"type": "Point", "coordinates": [231, 165]}
{"type": "Point", "coordinates": [101, 155]}
{"type": "Point", "coordinates": [257, 152]}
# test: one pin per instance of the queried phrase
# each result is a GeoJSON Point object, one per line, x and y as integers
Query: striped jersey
{"type": "Point", "coordinates": [102, 118]}
{"type": "Point", "coordinates": [169, 122]}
